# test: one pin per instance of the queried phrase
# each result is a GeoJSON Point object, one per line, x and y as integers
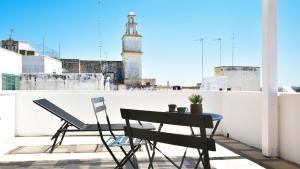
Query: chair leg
{"type": "Point", "coordinates": [154, 147]}
{"type": "Point", "coordinates": [206, 163]}
{"type": "Point", "coordinates": [125, 153]}
{"type": "Point", "coordinates": [148, 152]}
{"type": "Point", "coordinates": [129, 155]}
{"type": "Point", "coordinates": [183, 158]}
{"type": "Point", "coordinates": [54, 143]}
{"type": "Point", "coordinates": [63, 135]}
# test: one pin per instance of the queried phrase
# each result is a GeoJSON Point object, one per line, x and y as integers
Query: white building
{"type": "Point", "coordinates": [32, 61]}
{"type": "Point", "coordinates": [132, 53]}
{"type": "Point", "coordinates": [10, 69]}
{"type": "Point", "coordinates": [21, 47]}
{"type": "Point", "coordinates": [242, 78]}
{"type": "Point", "coordinates": [41, 64]}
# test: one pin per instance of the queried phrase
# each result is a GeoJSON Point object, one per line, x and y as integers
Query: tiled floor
{"type": "Point", "coordinates": [230, 154]}
{"type": "Point", "coordinates": [254, 154]}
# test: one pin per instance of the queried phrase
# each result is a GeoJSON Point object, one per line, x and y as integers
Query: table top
{"type": "Point", "coordinates": [215, 116]}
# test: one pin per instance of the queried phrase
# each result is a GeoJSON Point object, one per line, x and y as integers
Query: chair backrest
{"type": "Point", "coordinates": [98, 105]}
{"type": "Point", "coordinates": [201, 121]}
{"type": "Point", "coordinates": [47, 105]}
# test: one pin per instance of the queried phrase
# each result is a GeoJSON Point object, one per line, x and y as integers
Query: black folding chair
{"type": "Point", "coordinates": [200, 143]}
{"type": "Point", "coordinates": [117, 141]}
{"type": "Point", "coordinates": [75, 124]}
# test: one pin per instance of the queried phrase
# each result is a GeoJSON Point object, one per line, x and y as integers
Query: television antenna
{"type": "Point", "coordinates": [220, 48]}
{"type": "Point", "coordinates": [233, 47]}
{"type": "Point", "coordinates": [11, 32]}
{"type": "Point", "coordinates": [100, 34]}
{"type": "Point", "coordinates": [202, 41]}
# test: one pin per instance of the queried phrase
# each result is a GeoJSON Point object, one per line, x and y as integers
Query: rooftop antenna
{"type": "Point", "coordinates": [233, 46]}
{"type": "Point", "coordinates": [220, 41]}
{"type": "Point", "coordinates": [11, 32]}
{"type": "Point", "coordinates": [43, 46]}
{"type": "Point", "coordinates": [100, 36]}
{"type": "Point", "coordinates": [201, 40]}
{"type": "Point", "coordinates": [59, 51]}
{"type": "Point", "coordinates": [106, 65]}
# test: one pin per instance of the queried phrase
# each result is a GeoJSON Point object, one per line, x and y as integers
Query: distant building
{"type": "Point", "coordinates": [112, 69]}
{"type": "Point", "coordinates": [21, 47]}
{"type": "Point", "coordinates": [32, 61]}
{"type": "Point", "coordinates": [41, 65]}
{"type": "Point", "coordinates": [10, 69]}
{"type": "Point", "coordinates": [242, 78]}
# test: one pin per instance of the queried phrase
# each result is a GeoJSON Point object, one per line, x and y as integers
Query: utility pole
{"type": "Point", "coordinates": [11, 32]}
{"type": "Point", "coordinates": [100, 36]}
{"type": "Point", "coordinates": [233, 46]}
{"type": "Point", "coordinates": [58, 51]}
{"type": "Point", "coordinates": [220, 41]}
{"type": "Point", "coordinates": [202, 64]}
{"type": "Point", "coordinates": [43, 46]}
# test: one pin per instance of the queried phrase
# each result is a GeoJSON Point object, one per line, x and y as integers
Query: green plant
{"type": "Point", "coordinates": [195, 99]}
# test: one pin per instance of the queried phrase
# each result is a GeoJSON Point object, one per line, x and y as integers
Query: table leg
{"type": "Point", "coordinates": [211, 136]}
{"type": "Point", "coordinates": [215, 128]}
{"type": "Point", "coordinates": [154, 146]}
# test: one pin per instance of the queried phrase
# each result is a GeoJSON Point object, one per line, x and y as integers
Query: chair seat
{"type": "Point", "coordinates": [116, 127]}
{"type": "Point", "coordinates": [122, 141]}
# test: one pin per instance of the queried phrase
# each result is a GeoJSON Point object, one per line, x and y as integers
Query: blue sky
{"type": "Point", "coordinates": [169, 28]}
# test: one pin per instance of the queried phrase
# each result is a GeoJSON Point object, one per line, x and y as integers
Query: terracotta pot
{"type": "Point", "coordinates": [196, 108]}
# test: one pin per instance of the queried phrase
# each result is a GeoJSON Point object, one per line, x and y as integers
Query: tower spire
{"type": "Point", "coordinates": [131, 24]}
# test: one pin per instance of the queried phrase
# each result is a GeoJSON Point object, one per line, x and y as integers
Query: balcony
{"type": "Point", "coordinates": [25, 124]}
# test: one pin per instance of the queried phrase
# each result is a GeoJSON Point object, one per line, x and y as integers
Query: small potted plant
{"type": "Point", "coordinates": [196, 103]}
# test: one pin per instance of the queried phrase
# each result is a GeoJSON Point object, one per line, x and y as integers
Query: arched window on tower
{"type": "Point", "coordinates": [131, 20]}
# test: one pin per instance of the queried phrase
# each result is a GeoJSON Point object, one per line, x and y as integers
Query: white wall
{"type": "Point", "coordinates": [41, 64]}
{"type": "Point", "coordinates": [78, 104]}
{"type": "Point", "coordinates": [10, 62]}
{"type": "Point", "coordinates": [243, 80]}
{"type": "Point", "coordinates": [52, 65]}
{"type": "Point", "coordinates": [289, 128]}
{"type": "Point", "coordinates": [25, 46]}
{"type": "Point", "coordinates": [7, 116]}
{"type": "Point", "coordinates": [242, 116]}
{"type": "Point", "coordinates": [242, 112]}
{"type": "Point", "coordinates": [32, 64]}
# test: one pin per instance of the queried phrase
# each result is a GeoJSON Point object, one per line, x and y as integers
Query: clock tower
{"type": "Point", "coordinates": [132, 53]}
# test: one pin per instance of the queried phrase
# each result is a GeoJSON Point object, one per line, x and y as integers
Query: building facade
{"type": "Point", "coordinates": [10, 69]}
{"type": "Point", "coordinates": [112, 69]}
{"type": "Point", "coordinates": [132, 53]}
{"type": "Point", "coordinates": [20, 47]}
{"type": "Point", "coordinates": [241, 78]}
{"type": "Point", "coordinates": [41, 64]}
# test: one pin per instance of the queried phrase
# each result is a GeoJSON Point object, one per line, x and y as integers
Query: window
{"type": "Point", "coordinates": [10, 82]}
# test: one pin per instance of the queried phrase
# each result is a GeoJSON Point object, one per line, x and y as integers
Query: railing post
{"type": "Point", "coordinates": [269, 80]}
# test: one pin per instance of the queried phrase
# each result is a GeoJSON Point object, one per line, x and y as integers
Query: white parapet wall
{"type": "Point", "coordinates": [7, 116]}
{"type": "Point", "coordinates": [32, 120]}
{"type": "Point", "coordinates": [242, 112]}
{"type": "Point", "coordinates": [289, 128]}
{"type": "Point", "coordinates": [242, 116]}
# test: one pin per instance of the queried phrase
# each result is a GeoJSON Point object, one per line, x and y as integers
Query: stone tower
{"type": "Point", "coordinates": [132, 53]}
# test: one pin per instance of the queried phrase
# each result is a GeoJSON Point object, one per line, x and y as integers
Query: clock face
{"type": "Point", "coordinates": [132, 44]}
